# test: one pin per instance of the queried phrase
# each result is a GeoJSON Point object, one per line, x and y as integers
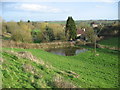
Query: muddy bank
{"type": "Point", "coordinates": [12, 44]}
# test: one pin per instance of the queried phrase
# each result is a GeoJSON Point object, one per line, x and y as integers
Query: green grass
{"type": "Point", "coordinates": [15, 76]}
{"type": "Point", "coordinates": [95, 72]}
{"type": "Point", "coordinates": [112, 42]}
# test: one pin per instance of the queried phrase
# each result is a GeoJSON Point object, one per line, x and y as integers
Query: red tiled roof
{"type": "Point", "coordinates": [80, 31]}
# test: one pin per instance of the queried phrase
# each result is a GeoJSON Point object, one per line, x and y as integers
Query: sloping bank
{"type": "Point", "coordinates": [58, 44]}
{"type": "Point", "coordinates": [35, 68]}
{"type": "Point", "coordinates": [13, 44]}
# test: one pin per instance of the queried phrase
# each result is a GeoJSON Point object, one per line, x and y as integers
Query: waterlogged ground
{"type": "Point", "coordinates": [83, 70]}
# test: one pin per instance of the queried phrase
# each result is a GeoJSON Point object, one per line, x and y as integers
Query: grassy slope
{"type": "Point", "coordinates": [112, 42]}
{"type": "Point", "coordinates": [100, 71]}
{"type": "Point", "coordinates": [15, 76]}
{"type": "Point", "coordinates": [24, 73]}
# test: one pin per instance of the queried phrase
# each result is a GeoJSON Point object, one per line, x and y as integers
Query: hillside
{"type": "Point", "coordinates": [34, 68]}
{"type": "Point", "coordinates": [111, 42]}
{"type": "Point", "coordinates": [23, 70]}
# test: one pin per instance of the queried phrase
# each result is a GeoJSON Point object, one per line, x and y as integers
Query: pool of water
{"type": "Point", "coordinates": [68, 51]}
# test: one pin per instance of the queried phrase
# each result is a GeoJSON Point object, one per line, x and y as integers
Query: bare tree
{"type": "Point", "coordinates": [96, 33]}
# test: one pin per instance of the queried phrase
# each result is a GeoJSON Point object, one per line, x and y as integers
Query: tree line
{"type": "Point", "coordinates": [33, 31]}
{"type": "Point", "coordinates": [36, 32]}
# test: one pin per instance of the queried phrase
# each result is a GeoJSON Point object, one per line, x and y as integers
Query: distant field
{"type": "Point", "coordinates": [86, 21]}
{"type": "Point", "coordinates": [93, 72]}
{"type": "Point", "coordinates": [58, 22]}
{"type": "Point", "coordinates": [112, 42]}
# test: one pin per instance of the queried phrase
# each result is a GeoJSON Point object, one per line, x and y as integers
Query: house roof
{"type": "Point", "coordinates": [80, 31]}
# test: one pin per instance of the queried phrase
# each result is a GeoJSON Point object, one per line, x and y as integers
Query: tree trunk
{"type": "Point", "coordinates": [95, 44]}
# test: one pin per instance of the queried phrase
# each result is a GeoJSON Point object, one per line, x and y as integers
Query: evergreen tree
{"type": "Point", "coordinates": [28, 21]}
{"type": "Point", "coordinates": [70, 31]}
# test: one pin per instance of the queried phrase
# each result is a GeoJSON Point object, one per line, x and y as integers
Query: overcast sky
{"type": "Point", "coordinates": [50, 11]}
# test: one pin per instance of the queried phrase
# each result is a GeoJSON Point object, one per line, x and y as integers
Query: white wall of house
{"type": "Point", "coordinates": [95, 25]}
{"type": "Point", "coordinates": [78, 35]}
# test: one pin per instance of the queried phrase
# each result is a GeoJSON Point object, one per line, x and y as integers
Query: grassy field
{"type": "Point", "coordinates": [112, 42]}
{"type": "Point", "coordinates": [83, 70]}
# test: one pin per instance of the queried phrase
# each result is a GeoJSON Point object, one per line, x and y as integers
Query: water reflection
{"type": "Point", "coordinates": [69, 51]}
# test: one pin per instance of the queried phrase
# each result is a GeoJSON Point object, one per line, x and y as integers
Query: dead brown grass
{"type": "Point", "coordinates": [60, 82]}
{"type": "Point", "coordinates": [13, 44]}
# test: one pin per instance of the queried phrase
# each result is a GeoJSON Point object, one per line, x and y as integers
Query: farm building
{"type": "Point", "coordinates": [81, 34]}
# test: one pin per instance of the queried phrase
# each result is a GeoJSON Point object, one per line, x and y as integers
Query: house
{"type": "Point", "coordinates": [81, 34]}
{"type": "Point", "coordinates": [94, 25]}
